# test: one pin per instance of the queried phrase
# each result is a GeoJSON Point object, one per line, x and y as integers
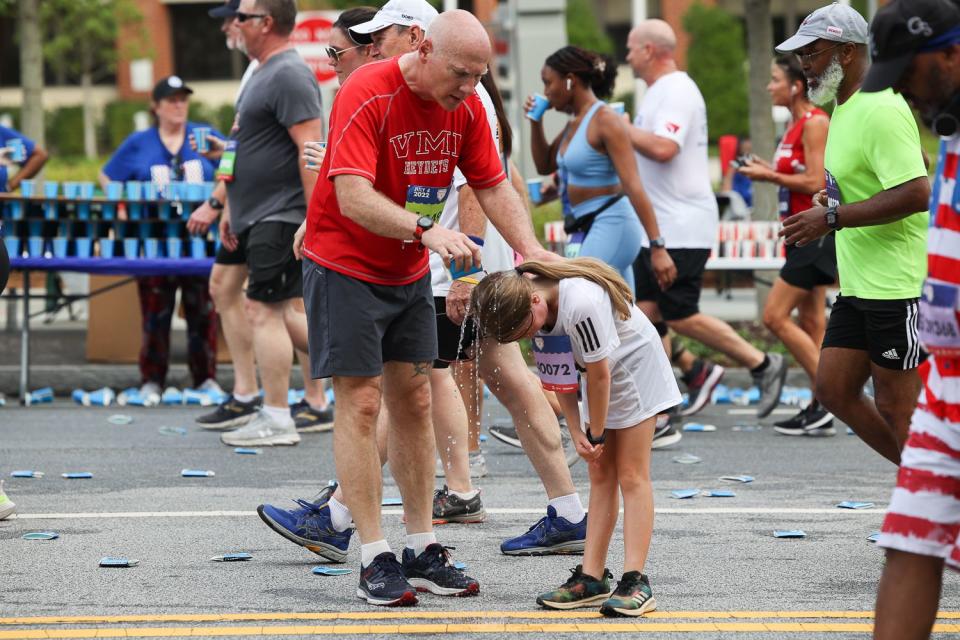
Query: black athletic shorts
{"type": "Point", "coordinates": [887, 329]}
{"type": "Point", "coordinates": [275, 274]}
{"type": "Point", "coordinates": [449, 343]}
{"type": "Point", "coordinates": [354, 326]}
{"type": "Point", "coordinates": [236, 257]}
{"type": "Point", "coordinates": [682, 299]}
{"type": "Point", "coordinates": [812, 265]}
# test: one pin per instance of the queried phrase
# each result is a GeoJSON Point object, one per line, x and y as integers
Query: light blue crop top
{"type": "Point", "coordinates": [581, 164]}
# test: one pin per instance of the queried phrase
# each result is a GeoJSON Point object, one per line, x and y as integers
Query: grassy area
{"type": "Point", "coordinates": [73, 169]}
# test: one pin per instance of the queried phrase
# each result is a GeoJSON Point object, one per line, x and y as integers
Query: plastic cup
{"type": "Point", "coordinates": [149, 191]}
{"type": "Point", "coordinates": [540, 106]}
{"type": "Point", "coordinates": [28, 188]}
{"type": "Point", "coordinates": [534, 185]}
{"type": "Point", "coordinates": [151, 248]}
{"type": "Point", "coordinates": [208, 189]}
{"type": "Point", "coordinates": [18, 150]}
{"type": "Point", "coordinates": [114, 191]}
{"type": "Point", "coordinates": [51, 188]}
{"type": "Point", "coordinates": [618, 107]}
{"type": "Point", "coordinates": [87, 190]}
{"type": "Point", "coordinates": [107, 246]}
{"type": "Point", "coordinates": [71, 190]}
{"type": "Point", "coordinates": [83, 246]}
{"type": "Point", "coordinates": [200, 137]}
{"type": "Point", "coordinates": [60, 247]}
{"type": "Point", "coordinates": [134, 189]}
{"type": "Point", "coordinates": [35, 247]}
{"type": "Point", "coordinates": [175, 190]}
{"type": "Point", "coordinates": [13, 246]}
{"type": "Point", "coordinates": [323, 145]}
{"type": "Point", "coordinates": [131, 247]}
{"type": "Point", "coordinates": [198, 248]}
{"type": "Point", "coordinates": [193, 192]}
{"type": "Point", "coordinates": [456, 273]}
{"type": "Point", "coordinates": [174, 247]}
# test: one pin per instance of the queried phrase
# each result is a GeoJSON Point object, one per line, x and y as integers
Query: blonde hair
{"type": "Point", "coordinates": [501, 303]}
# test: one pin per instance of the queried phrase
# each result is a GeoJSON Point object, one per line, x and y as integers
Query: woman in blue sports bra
{"type": "Point", "coordinates": [604, 203]}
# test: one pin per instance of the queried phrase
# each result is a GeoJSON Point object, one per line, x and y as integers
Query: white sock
{"type": "Point", "coordinates": [569, 507]}
{"type": "Point", "coordinates": [420, 541]}
{"type": "Point", "coordinates": [465, 496]}
{"type": "Point", "coordinates": [244, 397]}
{"type": "Point", "coordinates": [370, 551]}
{"type": "Point", "coordinates": [280, 415]}
{"type": "Point", "coordinates": [340, 516]}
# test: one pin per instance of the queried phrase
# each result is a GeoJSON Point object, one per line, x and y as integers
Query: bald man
{"type": "Point", "coordinates": [670, 140]}
{"type": "Point", "coordinates": [398, 130]}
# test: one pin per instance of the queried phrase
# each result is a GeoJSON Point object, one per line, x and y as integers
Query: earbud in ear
{"type": "Point", "coordinates": [569, 84]}
{"type": "Point", "coordinates": [793, 91]}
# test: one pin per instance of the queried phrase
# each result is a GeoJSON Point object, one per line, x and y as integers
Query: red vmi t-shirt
{"type": "Point", "coordinates": [408, 148]}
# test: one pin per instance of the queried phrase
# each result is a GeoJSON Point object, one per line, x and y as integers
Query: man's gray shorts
{"type": "Point", "coordinates": [354, 326]}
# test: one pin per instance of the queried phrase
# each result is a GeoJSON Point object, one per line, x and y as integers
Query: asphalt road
{"type": "Point", "coordinates": [715, 567]}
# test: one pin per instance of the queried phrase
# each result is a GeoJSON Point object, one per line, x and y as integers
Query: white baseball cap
{"type": "Point", "coordinates": [406, 13]}
{"type": "Point", "coordinates": [836, 22]}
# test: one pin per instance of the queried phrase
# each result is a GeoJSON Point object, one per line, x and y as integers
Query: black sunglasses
{"type": "Point", "coordinates": [243, 17]}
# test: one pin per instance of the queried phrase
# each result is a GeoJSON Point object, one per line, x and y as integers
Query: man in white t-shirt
{"type": "Point", "coordinates": [670, 139]}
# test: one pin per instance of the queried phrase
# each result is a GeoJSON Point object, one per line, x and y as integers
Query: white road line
{"type": "Point", "coordinates": [398, 512]}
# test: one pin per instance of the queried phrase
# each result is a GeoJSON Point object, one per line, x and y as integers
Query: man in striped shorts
{"type": "Point", "coordinates": [916, 50]}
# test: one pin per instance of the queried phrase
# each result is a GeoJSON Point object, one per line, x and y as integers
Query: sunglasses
{"type": "Point", "coordinates": [334, 54]}
{"type": "Point", "coordinates": [243, 17]}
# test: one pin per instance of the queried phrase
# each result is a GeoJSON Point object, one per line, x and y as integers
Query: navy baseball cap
{"type": "Point", "coordinates": [169, 86]}
{"type": "Point", "coordinates": [902, 29]}
{"type": "Point", "coordinates": [227, 10]}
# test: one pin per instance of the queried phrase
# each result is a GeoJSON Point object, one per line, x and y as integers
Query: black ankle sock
{"type": "Point", "coordinates": [760, 368]}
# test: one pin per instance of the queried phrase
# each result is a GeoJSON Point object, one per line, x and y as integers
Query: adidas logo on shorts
{"type": "Point", "coordinates": [891, 354]}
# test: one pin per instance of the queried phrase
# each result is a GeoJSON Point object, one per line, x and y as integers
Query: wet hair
{"type": "Point", "coordinates": [596, 70]}
{"type": "Point", "coordinates": [506, 133]}
{"type": "Point", "coordinates": [501, 305]}
{"type": "Point", "coordinates": [351, 18]}
{"type": "Point", "coordinates": [792, 69]}
{"type": "Point", "coordinates": [283, 12]}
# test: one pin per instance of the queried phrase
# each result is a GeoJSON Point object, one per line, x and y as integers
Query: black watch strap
{"type": "Point", "coordinates": [214, 203]}
{"type": "Point", "coordinates": [596, 441]}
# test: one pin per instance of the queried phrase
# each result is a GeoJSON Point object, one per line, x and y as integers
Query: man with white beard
{"type": "Point", "coordinates": [875, 201]}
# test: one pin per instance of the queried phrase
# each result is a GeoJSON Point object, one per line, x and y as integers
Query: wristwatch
{"type": "Point", "coordinates": [424, 224]}
{"type": "Point", "coordinates": [832, 217]}
{"type": "Point", "coordinates": [658, 243]}
{"type": "Point", "coordinates": [596, 441]}
{"type": "Point", "coordinates": [215, 204]}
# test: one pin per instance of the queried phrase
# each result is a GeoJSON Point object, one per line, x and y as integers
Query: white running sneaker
{"type": "Point", "coordinates": [7, 507]}
{"type": "Point", "coordinates": [262, 431]}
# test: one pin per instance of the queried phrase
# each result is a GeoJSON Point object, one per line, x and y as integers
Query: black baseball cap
{"type": "Point", "coordinates": [227, 10]}
{"type": "Point", "coordinates": [169, 86]}
{"type": "Point", "coordinates": [904, 28]}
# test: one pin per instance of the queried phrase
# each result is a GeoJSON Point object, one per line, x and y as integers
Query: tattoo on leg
{"type": "Point", "coordinates": [421, 369]}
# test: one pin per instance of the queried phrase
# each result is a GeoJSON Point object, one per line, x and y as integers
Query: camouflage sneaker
{"type": "Point", "coordinates": [448, 507]}
{"type": "Point", "coordinates": [580, 590]}
{"type": "Point", "coordinates": [632, 597]}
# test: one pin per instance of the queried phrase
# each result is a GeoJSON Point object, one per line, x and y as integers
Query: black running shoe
{"type": "Point", "coordinates": [448, 507]}
{"type": "Point", "coordinates": [665, 434]}
{"type": "Point", "coordinates": [701, 381]}
{"type": "Point", "coordinates": [433, 571]}
{"type": "Point", "coordinates": [383, 583]}
{"type": "Point", "coordinates": [309, 420]}
{"type": "Point", "coordinates": [813, 420]}
{"type": "Point", "coordinates": [506, 433]}
{"type": "Point", "coordinates": [231, 414]}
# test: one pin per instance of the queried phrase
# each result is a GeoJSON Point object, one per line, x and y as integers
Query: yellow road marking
{"type": "Point", "coordinates": [639, 626]}
{"type": "Point", "coordinates": [416, 614]}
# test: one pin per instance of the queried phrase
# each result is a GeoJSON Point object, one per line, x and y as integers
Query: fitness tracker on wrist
{"type": "Point", "coordinates": [596, 441]}
{"type": "Point", "coordinates": [424, 224]}
{"type": "Point", "coordinates": [832, 217]}
{"type": "Point", "coordinates": [215, 204]}
{"type": "Point", "coordinates": [658, 243]}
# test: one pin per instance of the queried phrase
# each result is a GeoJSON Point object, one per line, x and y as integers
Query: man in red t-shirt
{"type": "Point", "coordinates": [397, 131]}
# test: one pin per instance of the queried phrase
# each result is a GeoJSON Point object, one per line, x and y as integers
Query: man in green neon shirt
{"type": "Point", "coordinates": [875, 201]}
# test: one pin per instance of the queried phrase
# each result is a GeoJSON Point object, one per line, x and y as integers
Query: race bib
{"type": "Point", "coordinates": [227, 162]}
{"type": "Point", "coordinates": [574, 242]}
{"type": "Point", "coordinates": [833, 190]}
{"type": "Point", "coordinates": [555, 364]}
{"type": "Point", "coordinates": [939, 331]}
{"type": "Point", "coordinates": [426, 201]}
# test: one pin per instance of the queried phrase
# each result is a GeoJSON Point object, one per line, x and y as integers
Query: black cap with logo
{"type": "Point", "coordinates": [227, 10]}
{"type": "Point", "coordinates": [169, 86]}
{"type": "Point", "coordinates": [904, 28]}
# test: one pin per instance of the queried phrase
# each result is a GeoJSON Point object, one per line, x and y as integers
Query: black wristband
{"type": "Point", "coordinates": [595, 442]}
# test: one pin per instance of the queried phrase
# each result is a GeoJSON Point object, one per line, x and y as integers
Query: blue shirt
{"type": "Point", "coordinates": [5, 136]}
{"type": "Point", "coordinates": [143, 157]}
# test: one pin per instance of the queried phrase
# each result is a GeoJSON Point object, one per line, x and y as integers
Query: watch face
{"type": "Point", "coordinates": [425, 222]}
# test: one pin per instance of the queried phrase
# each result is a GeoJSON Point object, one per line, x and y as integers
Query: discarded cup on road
{"type": "Point", "coordinates": [197, 473]}
{"type": "Point", "coordinates": [743, 479]}
{"type": "Point", "coordinates": [172, 431]}
{"type": "Point", "coordinates": [41, 535]}
{"type": "Point", "coordinates": [120, 419]}
{"type": "Point", "coordinates": [248, 452]}
{"type": "Point", "coordinates": [40, 396]}
{"type": "Point", "coordinates": [171, 396]}
{"type": "Point", "coordinates": [687, 458]}
{"type": "Point", "coordinates": [331, 571]}
{"type": "Point", "coordinates": [100, 398]}
{"type": "Point", "coordinates": [391, 502]}
{"type": "Point", "coordinates": [232, 557]}
{"type": "Point", "coordinates": [77, 475]}
{"type": "Point", "coordinates": [789, 533]}
{"type": "Point", "coordinates": [683, 494]}
{"type": "Point", "coordinates": [851, 504]}
{"type": "Point", "coordinates": [26, 474]}
{"type": "Point", "coordinates": [198, 397]}
{"type": "Point", "coordinates": [696, 426]}
{"type": "Point", "coordinates": [720, 493]}
{"type": "Point", "coordinates": [117, 562]}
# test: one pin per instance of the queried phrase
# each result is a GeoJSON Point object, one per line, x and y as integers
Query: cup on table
{"type": "Point", "coordinates": [618, 107]}
{"type": "Point", "coordinates": [198, 248]}
{"type": "Point", "coordinates": [12, 244]}
{"type": "Point", "coordinates": [174, 247]}
{"type": "Point", "coordinates": [71, 190]}
{"type": "Point", "coordinates": [149, 191]}
{"type": "Point", "coordinates": [83, 247]}
{"type": "Point", "coordinates": [534, 188]}
{"type": "Point", "coordinates": [35, 247]}
{"type": "Point", "coordinates": [193, 192]}
{"type": "Point", "coordinates": [107, 246]}
{"type": "Point", "coordinates": [28, 188]}
{"type": "Point", "coordinates": [131, 248]}
{"type": "Point", "coordinates": [208, 189]}
{"type": "Point", "coordinates": [114, 191]}
{"type": "Point", "coordinates": [87, 190]}
{"type": "Point", "coordinates": [51, 188]}
{"type": "Point", "coordinates": [151, 248]}
{"type": "Point", "coordinates": [175, 190]}
{"type": "Point", "coordinates": [18, 150]}
{"type": "Point", "coordinates": [134, 189]}
{"type": "Point", "coordinates": [200, 137]}
{"type": "Point", "coordinates": [60, 247]}
{"type": "Point", "coordinates": [540, 106]}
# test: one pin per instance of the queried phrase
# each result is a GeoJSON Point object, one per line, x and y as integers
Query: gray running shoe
{"type": "Point", "coordinates": [262, 431]}
{"type": "Point", "coordinates": [770, 383]}
{"type": "Point", "coordinates": [448, 507]}
{"type": "Point", "coordinates": [230, 414]}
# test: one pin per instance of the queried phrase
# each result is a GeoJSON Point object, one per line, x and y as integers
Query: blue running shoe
{"type": "Point", "coordinates": [383, 583]}
{"type": "Point", "coordinates": [551, 535]}
{"type": "Point", "coordinates": [310, 527]}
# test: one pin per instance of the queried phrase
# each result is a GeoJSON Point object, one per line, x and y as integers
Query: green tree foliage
{"type": "Point", "coordinates": [583, 30]}
{"type": "Point", "coordinates": [716, 60]}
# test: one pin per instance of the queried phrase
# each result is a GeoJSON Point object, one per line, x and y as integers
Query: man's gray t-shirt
{"type": "Point", "coordinates": [266, 185]}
